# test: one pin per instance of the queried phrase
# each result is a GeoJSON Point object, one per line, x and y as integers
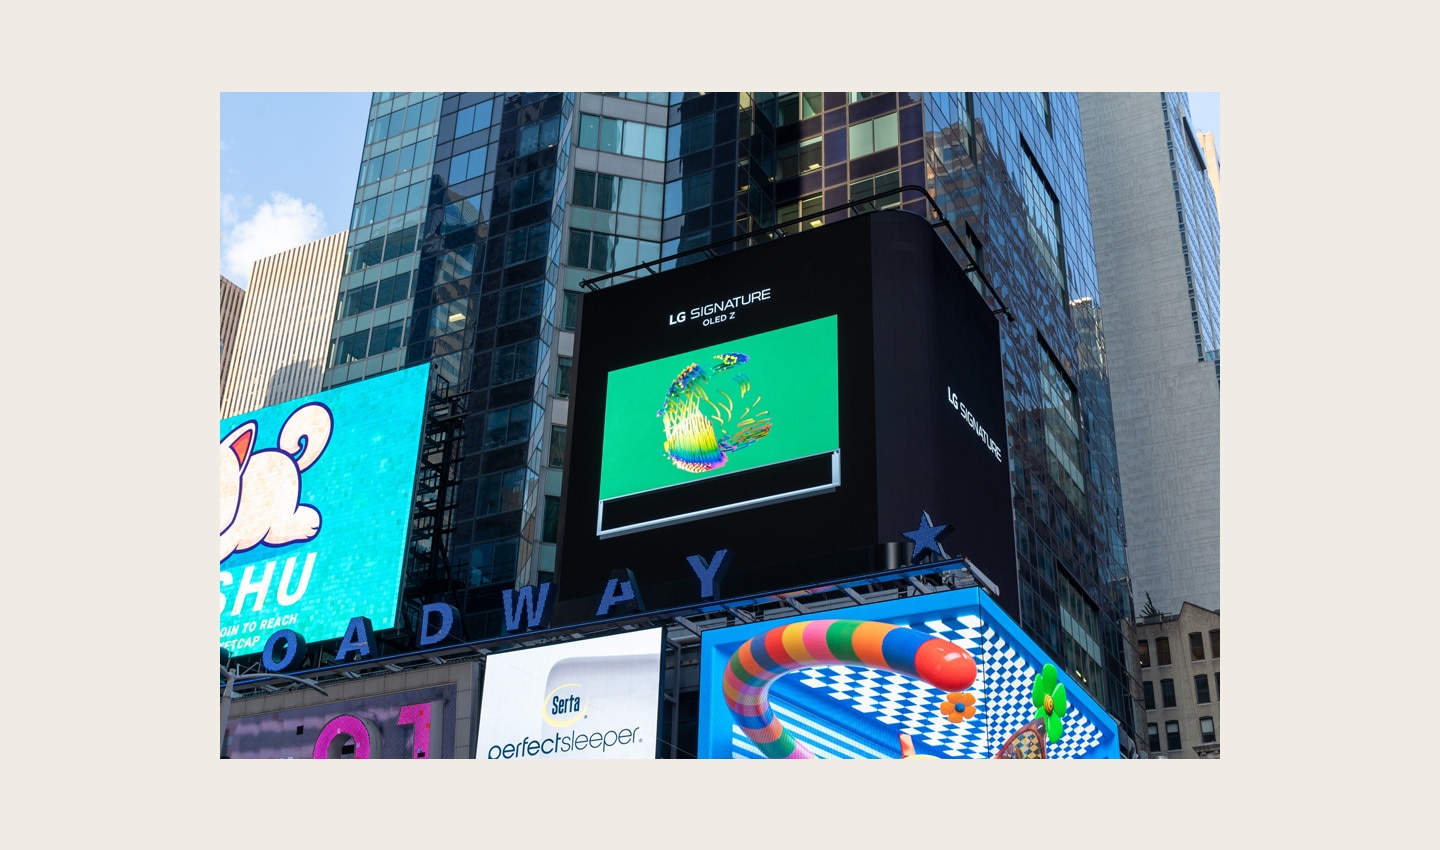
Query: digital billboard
{"type": "Point", "coordinates": [676, 425]}
{"type": "Point", "coordinates": [946, 675]}
{"type": "Point", "coordinates": [315, 498]}
{"type": "Point", "coordinates": [413, 724]}
{"type": "Point", "coordinates": [789, 410]}
{"type": "Point", "coordinates": [597, 698]}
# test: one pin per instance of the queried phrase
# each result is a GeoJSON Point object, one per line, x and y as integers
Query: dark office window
{"type": "Point", "coordinates": [557, 446]}
{"type": "Point", "coordinates": [562, 378]}
{"type": "Point", "coordinates": [570, 310]}
{"type": "Point", "coordinates": [1153, 729]}
{"type": "Point", "coordinates": [519, 302]}
{"type": "Point", "coordinates": [1144, 650]}
{"type": "Point", "coordinates": [1162, 651]}
{"type": "Point", "coordinates": [1214, 643]}
{"type": "Point", "coordinates": [1202, 689]}
{"type": "Point", "coordinates": [387, 337]}
{"type": "Point", "coordinates": [1172, 734]}
{"type": "Point", "coordinates": [1197, 646]}
{"type": "Point", "coordinates": [350, 348]}
{"type": "Point", "coordinates": [357, 300]}
{"type": "Point", "coordinates": [1207, 730]}
{"type": "Point", "coordinates": [1167, 693]}
{"type": "Point", "coordinates": [551, 528]}
{"type": "Point", "coordinates": [501, 491]}
{"type": "Point", "coordinates": [1217, 685]}
{"type": "Point", "coordinates": [514, 362]}
{"type": "Point", "coordinates": [1149, 696]}
{"type": "Point", "coordinates": [508, 425]}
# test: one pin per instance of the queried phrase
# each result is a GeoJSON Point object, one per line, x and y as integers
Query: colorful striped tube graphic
{"type": "Point", "coordinates": [755, 666]}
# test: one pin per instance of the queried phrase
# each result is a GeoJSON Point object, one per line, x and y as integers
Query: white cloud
{"type": "Point", "coordinates": [278, 224]}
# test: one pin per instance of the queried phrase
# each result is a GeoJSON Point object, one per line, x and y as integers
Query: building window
{"type": "Point", "coordinates": [349, 348]}
{"type": "Point", "coordinates": [800, 157]}
{"type": "Point", "coordinates": [462, 215]}
{"type": "Point", "coordinates": [1153, 730]}
{"type": "Point", "coordinates": [464, 166]}
{"type": "Point", "coordinates": [1217, 685]}
{"type": "Point", "coordinates": [880, 188]}
{"type": "Point", "coordinates": [562, 378]}
{"type": "Point", "coordinates": [1207, 730]}
{"type": "Point", "coordinates": [500, 492]}
{"type": "Point", "coordinates": [473, 118]}
{"type": "Point", "coordinates": [538, 135]}
{"type": "Point", "coordinates": [447, 318]}
{"type": "Point", "coordinates": [1167, 693]}
{"type": "Point", "coordinates": [793, 106]}
{"type": "Point", "coordinates": [1149, 696]}
{"type": "Point", "coordinates": [551, 527]}
{"type": "Point", "coordinates": [618, 194]}
{"type": "Point", "coordinates": [1202, 689]}
{"type": "Point", "coordinates": [557, 446]}
{"type": "Point", "coordinates": [387, 337]}
{"type": "Point", "coordinates": [1197, 646]}
{"type": "Point", "coordinates": [508, 425]}
{"type": "Point", "coordinates": [1042, 220]}
{"type": "Point", "coordinates": [1172, 734]}
{"type": "Point", "coordinates": [1041, 101]}
{"type": "Point", "coordinates": [876, 135]}
{"type": "Point", "coordinates": [570, 310]}
{"type": "Point", "coordinates": [494, 562]}
{"type": "Point", "coordinates": [1144, 653]}
{"type": "Point", "coordinates": [532, 189]}
{"type": "Point", "coordinates": [804, 210]}
{"type": "Point", "coordinates": [454, 265]}
{"type": "Point", "coordinates": [527, 243]}
{"type": "Point", "coordinates": [393, 289]}
{"type": "Point", "coordinates": [514, 362]}
{"type": "Point", "coordinates": [1162, 651]}
{"type": "Point", "coordinates": [1062, 438]}
{"type": "Point", "coordinates": [1214, 643]}
{"type": "Point", "coordinates": [630, 138]}
{"type": "Point", "coordinates": [520, 302]}
{"type": "Point", "coordinates": [1082, 653]}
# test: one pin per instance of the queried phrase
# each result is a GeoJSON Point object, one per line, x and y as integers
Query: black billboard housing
{"type": "Point", "coordinates": [798, 405]}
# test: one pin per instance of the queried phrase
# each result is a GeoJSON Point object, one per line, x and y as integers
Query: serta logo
{"type": "Point", "coordinates": [563, 709]}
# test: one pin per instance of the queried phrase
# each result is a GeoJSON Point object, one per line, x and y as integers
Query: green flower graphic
{"type": "Point", "coordinates": [1049, 699]}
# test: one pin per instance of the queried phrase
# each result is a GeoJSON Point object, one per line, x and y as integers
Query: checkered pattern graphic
{"type": "Point", "coordinates": [843, 711]}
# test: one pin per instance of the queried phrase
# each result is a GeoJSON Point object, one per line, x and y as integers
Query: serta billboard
{"type": "Point", "coordinates": [945, 675]}
{"type": "Point", "coordinates": [595, 698]}
{"type": "Point", "coordinates": [315, 498]}
{"type": "Point", "coordinates": [796, 405]}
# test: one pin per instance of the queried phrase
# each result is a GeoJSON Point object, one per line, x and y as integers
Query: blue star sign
{"type": "Point", "coordinates": [926, 537]}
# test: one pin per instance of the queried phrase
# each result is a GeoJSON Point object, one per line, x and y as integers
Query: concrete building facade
{"type": "Point", "coordinates": [284, 327]}
{"type": "Point", "coordinates": [1157, 245]}
{"type": "Point", "coordinates": [232, 298]}
{"type": "Point", "coordinates": [1180, 675]}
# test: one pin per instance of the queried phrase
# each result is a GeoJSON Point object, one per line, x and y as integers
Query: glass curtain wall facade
{"type": "Point", "coordinates": [530, 194]}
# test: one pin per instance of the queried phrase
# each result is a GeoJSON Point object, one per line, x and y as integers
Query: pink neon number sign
{"type": "Point", "coordinates": [326, 746]}
{"type": "Point", "coordinates": [418, 715]}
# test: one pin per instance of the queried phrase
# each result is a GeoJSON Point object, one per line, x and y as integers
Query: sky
{"type": "Point", "coordinates": [289, 161]}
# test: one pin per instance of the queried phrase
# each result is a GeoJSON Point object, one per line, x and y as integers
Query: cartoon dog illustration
{"type": "Point", "coordinates": [260, 490]}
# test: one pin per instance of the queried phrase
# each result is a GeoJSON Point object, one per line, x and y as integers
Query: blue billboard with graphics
{"type": "Point", "coordinates": [946, 675]}
{"type": "Point", "coordinates": [315, 499]}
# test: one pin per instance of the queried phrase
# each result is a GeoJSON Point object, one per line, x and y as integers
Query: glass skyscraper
{"type": "Point", "coordinates": [478, 216]}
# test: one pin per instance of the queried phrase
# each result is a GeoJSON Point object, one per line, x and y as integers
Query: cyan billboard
{"type": "Point", "coordinates": [315, 499]}
{"type": "Point", "coordinates": [945, 675]}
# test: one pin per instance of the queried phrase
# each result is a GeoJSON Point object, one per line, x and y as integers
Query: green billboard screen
{"type": "Point", "coordinates": [750, 403]}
